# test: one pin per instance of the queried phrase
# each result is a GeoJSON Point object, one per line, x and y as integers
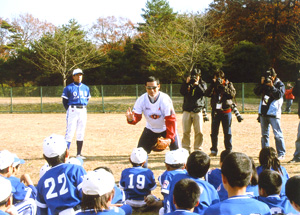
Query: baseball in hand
{"type": "Point", "coordinates": [150, 199]}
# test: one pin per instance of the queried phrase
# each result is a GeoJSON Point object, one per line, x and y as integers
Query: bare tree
{"type": "Point", "coordinates": [291, 49]}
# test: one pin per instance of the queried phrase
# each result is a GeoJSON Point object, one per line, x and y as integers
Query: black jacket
{"type": "Point", "coordinates": [193, 96]}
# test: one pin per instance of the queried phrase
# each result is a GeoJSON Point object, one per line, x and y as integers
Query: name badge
{"type": "Point", "coordinates": [218, 106]}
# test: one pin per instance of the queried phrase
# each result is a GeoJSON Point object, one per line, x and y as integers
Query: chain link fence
{"type": "Point", "coordinates": [109, 98]}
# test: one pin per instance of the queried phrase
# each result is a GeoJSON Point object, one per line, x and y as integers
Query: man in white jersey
{"type": "Point", "coordinates": [158, 110]}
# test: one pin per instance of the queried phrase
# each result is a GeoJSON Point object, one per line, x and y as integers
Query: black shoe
{"type": "Point", "coordinates": [294, 160]}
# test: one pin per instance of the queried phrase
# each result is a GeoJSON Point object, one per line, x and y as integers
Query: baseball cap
{"type": "Point", "coordinates": [183, 154]}
{"type": "Point", "coordinates": [98, 182]}
{"type": "Point", "coordinates": [54, 145]}
{"type": "Point", "coordinates": [17, 160]}
{"type": "Point", "coordinates": [44, 169]}
{"type": "Point", "coordinates": [6, 159]}
{"type": "Point", "coordinates": [138, 155]}
{"type": "Point", "coordinates": [6, 189]}
{"type": "Point", "coordinates": [77, 71]}
{"type": "Point", "coordinates": [77, 161]}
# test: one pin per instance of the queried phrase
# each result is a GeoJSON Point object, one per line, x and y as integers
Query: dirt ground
{"type": "Point", "coordinates": [109, 140]}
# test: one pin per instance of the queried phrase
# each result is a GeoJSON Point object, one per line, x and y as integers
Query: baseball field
{"type": "Point", "coordinates": [109, 140]}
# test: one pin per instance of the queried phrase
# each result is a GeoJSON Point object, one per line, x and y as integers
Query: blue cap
{"type": "Point", "coordinates": [17, 161]}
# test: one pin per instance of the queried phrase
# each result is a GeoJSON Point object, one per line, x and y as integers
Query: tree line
{"type": "Point", "coordinates": [241, 37]}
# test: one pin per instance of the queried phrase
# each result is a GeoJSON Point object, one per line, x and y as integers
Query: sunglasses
{"type": "Point", "coordinates": [151, 88]}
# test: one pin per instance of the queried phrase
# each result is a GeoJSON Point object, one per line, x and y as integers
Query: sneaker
{"type": "Point", "coordinates": [294, 160]}
{"type": "Point", "coordinates": [213, 154]}
{"type": "Point", "coordinates": [281, 157]}
{"type": "Point", "coordinates": [80, 156]}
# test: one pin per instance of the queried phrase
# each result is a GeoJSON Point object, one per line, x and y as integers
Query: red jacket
{"type": "Point", "coordinates": [288, 94]}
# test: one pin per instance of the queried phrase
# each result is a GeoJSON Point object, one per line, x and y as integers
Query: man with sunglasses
{"type": "Point", "coordinates": [158, 110]}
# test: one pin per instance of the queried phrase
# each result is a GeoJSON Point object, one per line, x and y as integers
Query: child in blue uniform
{"type": "Point", "coordinates": [269, 192]}
{"type": "Point", "coordinates": [137, 182]}
{"type": "Point", "coordinates": [292, 190]}
{"type": "Point", "coordinates": [98, 192]}
{"type": "Point", "coordinates": [268, 160]}
{"type": "Point", "coordinates": [197, 166]}
{"type": "Point", "coordinates": [59, 189]}
{"type": "Point", "coordinates": [186, 197]}
{"type": "Point", "coordinates": [236, 175]}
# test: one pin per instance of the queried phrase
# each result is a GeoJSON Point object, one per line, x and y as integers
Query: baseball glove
{"type": "Point", "coordinates": [161, 144]}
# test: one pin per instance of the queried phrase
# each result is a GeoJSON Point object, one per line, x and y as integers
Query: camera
{"type": "Point", "coordinates": [194, 73]}
{"type": "Point", "coordinates": [205, 116]}
{"type": "Point", "coordinates": [236, 112]}
{"type": "Point", "coordinates": [268, 75]}
{"type": "Point", "coordinates": [193, 79]}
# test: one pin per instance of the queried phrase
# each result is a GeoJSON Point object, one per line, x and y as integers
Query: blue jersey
{"type": "Point", "coordinates": [3, 213]}
{"type": "Point", "coordinates": [252, 190]}
{"type": "Point", "coordinates": [181, 212]}
{"type": "Point", "coordinates": [284, 177]}
{"type": "Point", "coordinates": [119, 195]}
{"type": "Point", "coordinates": [76, 94]}
{"type": "Point", "coordinates": [208, 194]}
{"type": "Point", "coordinates": [60, 188]}
{"type": "Point", "coordinates": [22, 191]}
{"type": "Point", "coordinates": [278, 204]}
{"type": "Point", "coordinates": [137, 182]}
{"type": "Point", "coordinates": [111, 211]}
{"type": "Point", "coordinates": [241, 205]}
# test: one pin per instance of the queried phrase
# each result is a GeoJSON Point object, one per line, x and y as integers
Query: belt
{"type": "Point", "coordinates": [78, 106]}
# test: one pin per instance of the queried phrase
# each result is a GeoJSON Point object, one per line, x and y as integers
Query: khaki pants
{"type": "Point", "coordinates": [195, 119]}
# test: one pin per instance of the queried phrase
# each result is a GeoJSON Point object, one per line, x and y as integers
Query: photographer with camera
{"type": "Point", "coordinates": [193, 109]}
{"type": "Point", "coordinates": [272, 91]}
{"type": "Point", "coordinates": [221, 92]}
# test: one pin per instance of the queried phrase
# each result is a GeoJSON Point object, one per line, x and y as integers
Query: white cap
{"type": "Point", "coordinates": [184, 154]}
{"type": "Point", "coordinates": [44, 169]}
{"type": "Point", "coordinates": [98, 182]}
{"type": "Point", "coordinates": [77, 161]}
{"type": "Point", "coordinates": [17, 160]}
{"type": "Point", "coordinates": [138, 155]}
{"type": "Point", "coordinates": [6, 188]}
{"type": "Point", "coordinates": [54, 145]}
{"type": "Point", "coordinates": [6, 159]}
{"type": "Point", "coordinates": [77, 71]}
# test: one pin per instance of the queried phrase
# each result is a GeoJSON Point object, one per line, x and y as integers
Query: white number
{"type": "Point", "coordinates": [61, 180]}
{"type": "Point", "coordinates": [140, 180]}
{"type": "Point", "coordinates": [50, 193]}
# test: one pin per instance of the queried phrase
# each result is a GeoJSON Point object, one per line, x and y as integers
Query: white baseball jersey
{"type": "Point", "coordinates": [156, 112]}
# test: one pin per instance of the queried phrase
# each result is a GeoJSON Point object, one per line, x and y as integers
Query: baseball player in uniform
{"type": "Point", "coordinates": [158, 110]}
{"type": "Point", "coordinates": [75, 99]}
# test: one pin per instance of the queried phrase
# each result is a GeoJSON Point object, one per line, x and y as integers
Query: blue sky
{"type": "Point", "coordinates": [86, 12]}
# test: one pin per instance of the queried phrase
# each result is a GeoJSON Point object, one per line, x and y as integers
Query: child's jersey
{"type": "Point", "coordinates": [208, 194]}
{"type": "Point", "coordinates": [238, 205]}
{"type": "Point", "coordinates": [156, 112]}
{"type": "Point", "coordinates": [284, 177]}
{"type": "Point", "coordinates": [22, 191]}
{"type": "Point", "coordinates": [110, 211]}
{"type": "Point", "coordinates": [137, 182]}
{"type": "Point", "coordinates": [60, 188]}
{"type": "Point", "coordinates": [278, 204]}
{"type": "Point", "coordinates": [181, 212]}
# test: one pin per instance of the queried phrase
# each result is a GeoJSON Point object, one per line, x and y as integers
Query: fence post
{"type": "Point", "coordinates": [171, 87]}
{"type": "Point", "coordinates": [11, 104]}
{"type": "Point", "coordinates": [136, 91]}
{"type": "Point", "coordinates": [243, 97]}
{"type": "Point", "coordinates": [41, 91]}
{"type": "Point", "coordinates": [102, 93]}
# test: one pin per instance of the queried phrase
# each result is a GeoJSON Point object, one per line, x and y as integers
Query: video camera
{"type": "Point", "coordinates": [268, 75]}
{"type": "Point", "coordinates": [194, 74]}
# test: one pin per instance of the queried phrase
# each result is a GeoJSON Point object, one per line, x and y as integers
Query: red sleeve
{"type": "Point", "coordinates": [136, 119]}
{"type": "Point", "coordinates": [171, 127]}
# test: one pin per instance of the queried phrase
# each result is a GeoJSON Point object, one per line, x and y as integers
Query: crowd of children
{"type": "Point", "coordinates": [188, 185]}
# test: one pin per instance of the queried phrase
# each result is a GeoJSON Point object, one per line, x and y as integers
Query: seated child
{"type": "Point", "coordinates": [197, 166]}
{"type": "Point", "coordinates": [269, 192]}
{"type": "Point", "coordinates": [98, 192]}
{"type": "Point", "coordinates": [186, 197]}
{"type": "Point", "coordinates": [59, 189]}
{"type": "Point", "coordinates": [268, 160]}
{"type": "Point", "coordinates": [292, 190]}
{"type": "Point", "coordinates": [236, 175]}
{"type": "Point", "coordinates": [24, 195]}
{"type": "Point", "coordinates": [137, 182]}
